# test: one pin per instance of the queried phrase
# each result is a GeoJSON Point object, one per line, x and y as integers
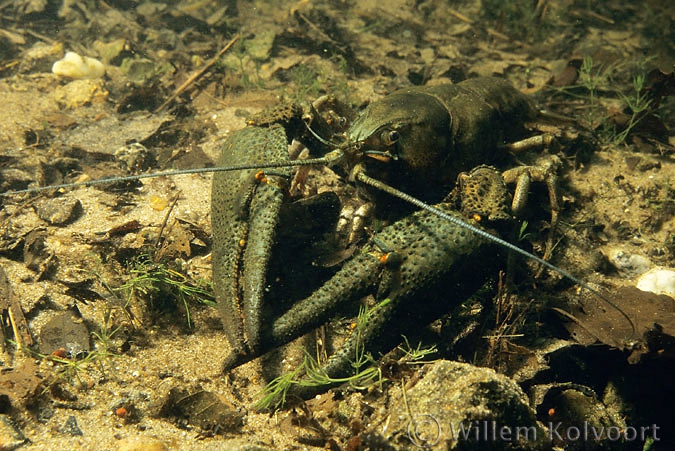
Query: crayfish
{"type": "Point", "coordinates": [412, 144]}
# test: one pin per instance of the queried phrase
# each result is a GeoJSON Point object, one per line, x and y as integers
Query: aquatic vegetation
{"type": "Point", "coordinates": [366, 373]}
{"type": "Point", "coordinates": [156, 281]}
{"type": "Point", "coordinates": [307, 82]}
{"type": "Point", "coordinates": [366, 370]}
{"type": "Point", "coordinates": [598, 83]}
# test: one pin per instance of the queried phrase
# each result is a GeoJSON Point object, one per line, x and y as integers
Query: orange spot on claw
{"type": "Point", "coordinates": [261, 177]}
{"type": "Point", "coordinates": [121, 412]}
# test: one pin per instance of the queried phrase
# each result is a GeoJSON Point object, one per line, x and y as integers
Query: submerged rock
{"type": "Point", "coordinates": [461, 406]}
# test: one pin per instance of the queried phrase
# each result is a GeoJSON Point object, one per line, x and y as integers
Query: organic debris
{"type": "Point", "coordinates": [652, 315]}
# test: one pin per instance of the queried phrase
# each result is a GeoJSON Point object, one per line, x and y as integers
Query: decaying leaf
{"type": "Point", "coordinates": [652, 315]}
{"type": "Point", "coordinates": [65, 332]}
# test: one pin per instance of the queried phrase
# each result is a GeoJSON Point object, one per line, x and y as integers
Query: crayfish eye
{"type": "Point", "coordinates": [390, 137]}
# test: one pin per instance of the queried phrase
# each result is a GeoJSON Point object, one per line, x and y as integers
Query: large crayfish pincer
{"type": "Point", "coordinates": [419, 139]}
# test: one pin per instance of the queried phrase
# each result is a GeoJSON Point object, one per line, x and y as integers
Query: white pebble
{"type": "Point", "coordinates": [628, 264]}
{"type": "Point", "coordinates": [658, 280]}
{"type": "Point", "coordinates": [75, 66]}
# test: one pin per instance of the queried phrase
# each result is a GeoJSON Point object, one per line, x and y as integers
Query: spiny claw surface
{"type": "Point", "coordinates": [244, 215]}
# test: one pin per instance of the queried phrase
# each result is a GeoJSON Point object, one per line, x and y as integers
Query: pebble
{"type": "Point", "coordinates": [75, 66]}
{"type": "Point", "coordinates": [70, 427]}
{"type": "Point", "coordinates": [10, 436]}
{"type": "Point", "coordinates": [59, 211]}
{"type": "Point", "coordinates": [628, 264]}
{"type": "Point", "coordinates": [658, 280]}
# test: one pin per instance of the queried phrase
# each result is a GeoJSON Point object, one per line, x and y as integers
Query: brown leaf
{"type": "Point", "coordinates": [659, 85]}
{"type": "Point", "coordinates": [568, 76]}
{"type": "Point", "coordinates": [652, 315]}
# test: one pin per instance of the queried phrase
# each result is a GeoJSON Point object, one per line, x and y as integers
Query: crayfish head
{"type": "Point", "coordinates": [403, 139]}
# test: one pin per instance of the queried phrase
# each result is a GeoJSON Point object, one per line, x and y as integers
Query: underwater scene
{"type": "Point", "coordinates": [337, 225]}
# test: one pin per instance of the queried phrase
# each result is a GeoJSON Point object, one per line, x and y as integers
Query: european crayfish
{"type": "Point", "coordinates": [417, 140]}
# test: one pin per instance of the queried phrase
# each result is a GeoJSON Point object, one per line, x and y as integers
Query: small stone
{"type": "Point", "coordinates": [457, 405]}
{"type": "Point", "coordinates": [64, 333]}
{"type": "Point", "coordinates": [658, 280]}
{"type": "Point", "coordinates": [78, 67]}
{"type": "Point", "coordinates": [10, 436]}
{"type": "Point", "coordinates": [110, 51]}
{"type": "Point", "coordinates": [628, 264]}
{"type": "Point", "coordinates": [201, 408]}
{"type": "Point", "coordinates": [60, 211]}
{"type": "Point", "coordinates": [80, 92]}
{"type": "Point", "coordinates": [138, 70]}
{"type": "Point", "coordinates": [71, 427]}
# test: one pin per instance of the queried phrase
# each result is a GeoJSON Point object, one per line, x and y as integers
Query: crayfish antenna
{"type": "Point", "coordinates": [131, 178]}
{"type": "Point", "coordinates": [324, 141]}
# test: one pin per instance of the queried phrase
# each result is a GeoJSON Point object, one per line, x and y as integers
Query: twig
{"type": "Point", "coordinates": [197, 75]}
{"type": "Point", "coordinates": [174, 201]}
{"type": "Point", "coordinates": [460, 16]}
{"type": "Point", "coordinates": [592, 14]}
{"type": "Point", "coordinates": [40, 36]}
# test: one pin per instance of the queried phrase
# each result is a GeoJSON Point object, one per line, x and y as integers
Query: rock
{"type": "Point", "coordinates": [59, 211]}
{"type": "Point", "coordinates": [578, 419]}
{"type": "Point", "coordinates": [10, 436]}
{"type": "Point", "coordinates": [138, 70]}
{"type": "Point", "coordinates": [628, 264]}
{"type": "Point", "coordinates": [195, 406]}
{"type": "Point", "coordinates": [461, 406]}
{"type": "Point", "coordinates": [70, 427]}
{"type": "Point", "coordinates": [658, 280]}
{"type": "Point", "coordinates": [78, 67]}
{"type": "Point", "coordinates": [80, 92]}
{"type": "Point", "coordinates": [67, 334]}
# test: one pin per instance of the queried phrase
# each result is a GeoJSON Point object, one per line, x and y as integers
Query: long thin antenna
{"type": "Point", "coordinates": [131, 178]}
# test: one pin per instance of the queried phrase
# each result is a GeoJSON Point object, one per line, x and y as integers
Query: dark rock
{"type": "Point", "coordinates": [60, 211]}
{"type": "Point", "coordinates": [70, 427]}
